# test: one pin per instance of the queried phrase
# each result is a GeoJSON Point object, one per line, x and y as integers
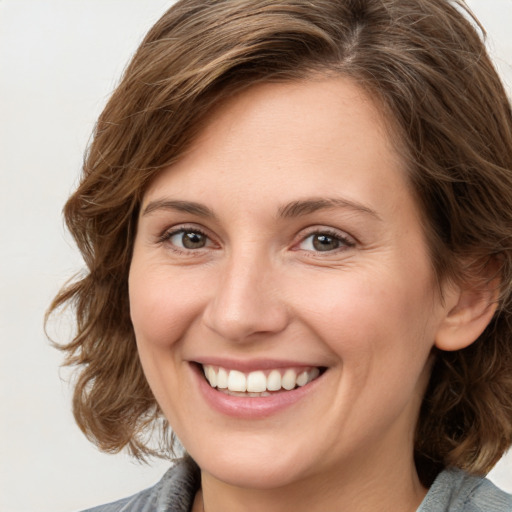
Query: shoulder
{"type": "Point", "coordinates": [457, 491]}
{"type": "Point", "coordinates": [173, 493]}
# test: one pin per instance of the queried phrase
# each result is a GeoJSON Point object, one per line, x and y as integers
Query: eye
{"type": "Point", "coordinates": [325, 241]}
{"type": "Point", "coordinates": [188, 239]}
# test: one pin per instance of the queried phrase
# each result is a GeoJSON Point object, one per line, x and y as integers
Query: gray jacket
{"type": "Point", "coordinates": [452, 491]}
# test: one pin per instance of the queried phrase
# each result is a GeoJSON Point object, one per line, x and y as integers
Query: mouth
{"type": "Point", "coordinates": [260, 383]}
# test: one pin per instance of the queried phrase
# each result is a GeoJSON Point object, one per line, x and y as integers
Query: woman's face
{"type": "Point", "coordinates": [286, 247]}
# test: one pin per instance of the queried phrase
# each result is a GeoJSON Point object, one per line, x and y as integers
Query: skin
{"type": "Point", "coordinates": [367, 309]}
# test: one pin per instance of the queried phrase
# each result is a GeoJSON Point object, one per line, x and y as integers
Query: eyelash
{"type": "Point", "coordinates": [345, 241]}
{"type": "Point", "coordinates": [167, 236]}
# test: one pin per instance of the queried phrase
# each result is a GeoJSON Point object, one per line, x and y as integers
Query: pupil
{"type": "Point", "coordinates": [325, 243]}
{"type": "Point", "coordinates": [193, 240]}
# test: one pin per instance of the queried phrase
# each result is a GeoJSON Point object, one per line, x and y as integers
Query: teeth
{"type": "Point", "coordinates": [274, 381]}
{"type": "Point", "coordinates": [315, 372]}
{"type": "Point", "coordinates": [258, 383]}
{"type": "Point", "coordinates": [237, 381]}
{"type": "Point", "coordinates": [302, 379]}
{"type": "Point", "coordinates": [222, 378]}
{"type": "Point", "coordinates": [211, 376]}
{"type": "Point", "coordinates": [289, 379]}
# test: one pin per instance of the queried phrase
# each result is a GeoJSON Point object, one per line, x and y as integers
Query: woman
{"type": "Point", "coordinates": [297, 223]}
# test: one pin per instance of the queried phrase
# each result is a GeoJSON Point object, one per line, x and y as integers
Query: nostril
{"type": "Point", "coordinates": [243, 309]}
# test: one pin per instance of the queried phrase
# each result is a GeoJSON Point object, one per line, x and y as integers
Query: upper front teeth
{"type": "Point", "coordinates": [258, 381]}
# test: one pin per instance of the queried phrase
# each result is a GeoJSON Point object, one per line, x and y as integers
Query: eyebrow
{"type": "Point", "coordinates": [180, 206]}
{"type": "Point", "coordinates": [308, 206]}
{"type": "Point", "coordinates": [294, 209]}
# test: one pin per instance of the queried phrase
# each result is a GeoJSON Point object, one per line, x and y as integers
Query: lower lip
{"type": "Point", "coordinates": [251, 407]}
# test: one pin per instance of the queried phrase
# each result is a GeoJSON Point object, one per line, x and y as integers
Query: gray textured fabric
{"type": "Point", "coordinates": [452, 491]}
{"type": "Point", "coordinates": [173, 493]}
{"type": "Point", "coordinates": [456, 491]}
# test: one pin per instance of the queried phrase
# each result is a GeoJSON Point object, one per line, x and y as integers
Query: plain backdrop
{"type": "Point", "coordinates": [59, 60]}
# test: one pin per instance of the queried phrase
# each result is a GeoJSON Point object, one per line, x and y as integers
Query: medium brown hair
{"type": "Point", "coordinates": [425, 63]}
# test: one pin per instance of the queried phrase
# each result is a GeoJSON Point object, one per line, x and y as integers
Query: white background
{"type": "Point", "coordinates": [59, 60]}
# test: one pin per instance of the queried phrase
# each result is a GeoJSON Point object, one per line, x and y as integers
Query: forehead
{"type": "Point", "coordinates": [281, 135]}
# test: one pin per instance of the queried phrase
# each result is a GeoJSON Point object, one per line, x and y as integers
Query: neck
{"type": "Point", "coordinates": [356, 487]}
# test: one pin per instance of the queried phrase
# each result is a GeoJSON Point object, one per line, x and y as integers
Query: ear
{"type": "Point", "coordinates": [468, 310]}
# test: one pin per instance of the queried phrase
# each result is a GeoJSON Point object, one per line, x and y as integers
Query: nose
{"type": "Point", "coordinates": [247, 301]}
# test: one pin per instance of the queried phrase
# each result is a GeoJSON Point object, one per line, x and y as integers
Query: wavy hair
{"type": "Point", "coordinates": [425, 63]}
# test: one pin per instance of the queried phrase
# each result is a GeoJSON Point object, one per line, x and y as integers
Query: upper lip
{"type": "Point", "coordinates": [252, 364]}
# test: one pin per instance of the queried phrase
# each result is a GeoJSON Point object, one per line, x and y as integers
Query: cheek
{"type": "Point", "coordinates": [162, 306]}
{"type": "Point", "coordinates": [371, 315]}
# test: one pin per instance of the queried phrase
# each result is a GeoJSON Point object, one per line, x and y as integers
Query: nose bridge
{"type": "Point", "coordinates": [246, 300]}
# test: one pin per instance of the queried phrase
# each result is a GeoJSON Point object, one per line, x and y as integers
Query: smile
{"type": "Point", "coordinates": [258, 383]}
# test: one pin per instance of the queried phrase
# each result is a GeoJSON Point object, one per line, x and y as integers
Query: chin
{"type": "Point", "coordinates": [258, 469]}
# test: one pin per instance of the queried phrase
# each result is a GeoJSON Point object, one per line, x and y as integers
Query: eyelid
{"type": "Point", "coordinates": [347, 240]}
{"type": "Point", "coordinates": [172, 230]}
{"type": "Point", "coordinates": [169, 232]}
